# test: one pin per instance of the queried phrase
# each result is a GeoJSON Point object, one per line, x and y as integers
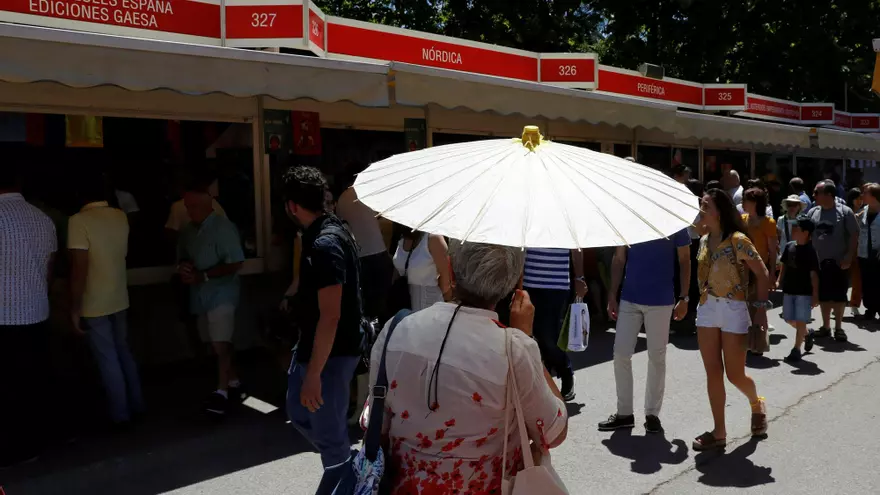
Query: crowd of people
{"type": "Point", "coordinates": [479, 313]}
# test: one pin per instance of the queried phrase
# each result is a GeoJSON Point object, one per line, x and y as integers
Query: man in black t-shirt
{"type": "Point", "coordinates": [331, 339]}
{"type": "Point", "coordinates": [799, 278]}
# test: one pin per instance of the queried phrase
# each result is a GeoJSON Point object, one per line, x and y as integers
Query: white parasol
{"type": "Point", "coordinates": [527, 192]}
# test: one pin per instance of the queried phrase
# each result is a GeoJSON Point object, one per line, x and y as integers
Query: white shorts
{"type": "Point", "coordinates": [728, 315]}
{"type": "Point", "coordinates": [218, 324]}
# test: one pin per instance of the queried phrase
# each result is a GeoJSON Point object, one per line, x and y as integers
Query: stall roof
{"type": "Point", "coordinates": [736, 130]}
{"type": "Point", "coordinates": [845, 140]}
{"type": "Point", "coordinates": [82, 60]}
{"type": "Point", "coordinates": [419, 86]}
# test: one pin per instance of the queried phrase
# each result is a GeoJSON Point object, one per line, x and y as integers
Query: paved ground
{"type": "Point", "coordinates": [822, 436]}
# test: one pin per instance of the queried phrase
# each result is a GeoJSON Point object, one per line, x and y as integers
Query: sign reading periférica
{"type": "Point", "coordinates": [195, 21]}
{"type": "Point", "coordinates": [625, 82]}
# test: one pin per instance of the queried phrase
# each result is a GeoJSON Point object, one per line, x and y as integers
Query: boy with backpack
{"type": "Point", "coordinates": [799, 279]}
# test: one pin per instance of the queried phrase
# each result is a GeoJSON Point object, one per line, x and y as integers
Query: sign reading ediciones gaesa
{"type": "Point", "coordinates": [174, 20]}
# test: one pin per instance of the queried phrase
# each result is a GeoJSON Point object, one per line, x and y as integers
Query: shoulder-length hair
{"type": "Point", "coordinates": [730, 219]}
{"type": "Point", "coordinates": [759, 197]}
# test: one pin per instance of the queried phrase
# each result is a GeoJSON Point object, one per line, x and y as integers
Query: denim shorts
{"type": "Point", "coordinates": [797, 308]}
{"type": "Point", "coordinates": [728, 315]}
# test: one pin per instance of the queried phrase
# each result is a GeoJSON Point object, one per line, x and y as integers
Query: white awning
{"type": "Point", "coordinates": [845, 140]}
{"type": "Point", "coordinates": [84, 60]}
{"type": "Point", "coordinates": [419, 86]}
{"type": "Point", "coordinates": [733, 130]}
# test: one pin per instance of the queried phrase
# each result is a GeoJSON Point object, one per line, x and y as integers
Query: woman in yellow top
{"type": "Point", "coordinates": [761, 229]}
{"type": "Point", "coordinates": [725, 260]}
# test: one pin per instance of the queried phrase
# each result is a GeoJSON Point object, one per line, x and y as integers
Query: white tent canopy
{"type": "Point", "coordinates": [419, 86]}
{"type": "Point", "coordinates": [84, 60]}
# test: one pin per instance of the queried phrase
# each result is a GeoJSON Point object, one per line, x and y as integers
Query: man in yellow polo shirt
{"type": "Point", "coordinates": [98, 244]}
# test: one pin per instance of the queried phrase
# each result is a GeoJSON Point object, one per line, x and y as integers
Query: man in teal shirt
{"type": "Point", "coordinates": [209, 259]}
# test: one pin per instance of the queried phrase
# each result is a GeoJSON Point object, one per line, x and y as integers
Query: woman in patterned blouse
{"type": "Point", "coordinates": [726, 260]}
{"type": "Point", "coordinates": [447, 368]}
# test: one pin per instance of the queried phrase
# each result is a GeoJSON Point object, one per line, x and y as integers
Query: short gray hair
{"type": "Point", "coordinates": [485, 273]}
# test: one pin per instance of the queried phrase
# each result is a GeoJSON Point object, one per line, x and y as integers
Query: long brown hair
{"type": "Point", "coordinates": [730, 219]}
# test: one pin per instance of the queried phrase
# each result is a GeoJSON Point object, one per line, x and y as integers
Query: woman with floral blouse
{"type": "Point", "coordinates": [447, 369]}
{"type": "Point", "coordinates": [726, 260]}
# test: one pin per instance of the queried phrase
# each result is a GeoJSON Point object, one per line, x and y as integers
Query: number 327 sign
{"type": "Point", "coordinates": [282, 23]}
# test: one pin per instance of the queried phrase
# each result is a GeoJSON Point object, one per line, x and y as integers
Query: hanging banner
{"type": "Point", "coordinates": [84, 131]}
{"type": "Point", "coordinates": [306, 133]}
{"type": "Point", "coordinates": [876, 84]}
{"type": "Point", "coordinates": [186, 21]}
{"type": "Point", "coordinates": [278, 133]}
{"type": "Point", "coordinates": [415, 132]}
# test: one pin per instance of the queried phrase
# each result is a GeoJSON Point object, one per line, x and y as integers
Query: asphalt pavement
{"type": "Point", "coordinates": [822, 436]}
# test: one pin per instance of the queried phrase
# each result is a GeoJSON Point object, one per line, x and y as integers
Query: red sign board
{"type": "Point", "coordinates": [263, 23]}
{"type": "Point", "coordinates": [766, 108]}
{"type": "Point", "coordinates": [817, 113]}
{"type": "Point", "coordinates": [629, 83]}
{"type": "Point", "coordinates": [724, 97]}
{"type": "Point", "coordinates": [842, 120]}
{"type": "Point", "coordinates": [317, 29]}
{"type": "Point", "coordinates": [195, 21]}
{"type": "Point", "coordinates": [363, 40]}
{"type": "Point", "coordinates": [569, 70]}
{"type": "Point", "coordinates": [866, 122]}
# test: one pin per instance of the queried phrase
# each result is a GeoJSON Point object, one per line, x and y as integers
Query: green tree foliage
{"type": "Point", "coordinates": [803, 50]}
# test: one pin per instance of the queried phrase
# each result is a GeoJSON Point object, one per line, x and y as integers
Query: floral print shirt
{"type": "Point", "coordinates": [723, 272]}
{"type": "Point", "coordinates": [457, 447]}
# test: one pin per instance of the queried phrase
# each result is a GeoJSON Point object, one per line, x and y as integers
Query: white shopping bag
{"type": "Point", "coordinates": [578, 327]}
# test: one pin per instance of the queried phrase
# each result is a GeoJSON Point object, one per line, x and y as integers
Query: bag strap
{"type": "Point", "coordinates": [416, 241]}
{"type": "Point", "coordinates": [373, 437]}
{"type": "Point", "coordinates": [513, 402]}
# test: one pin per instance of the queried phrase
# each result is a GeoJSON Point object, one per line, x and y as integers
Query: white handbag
{"type": "Point", "coordinates": [534, 479]}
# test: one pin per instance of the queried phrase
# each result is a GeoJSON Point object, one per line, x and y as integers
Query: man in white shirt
{"type": "Point", "coordinates": [376, 267]}
{"type": "Point", "coordinates": [27, 249]}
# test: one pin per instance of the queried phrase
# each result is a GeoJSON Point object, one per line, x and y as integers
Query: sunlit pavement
{"type": "Point", "coordinates": [822, 436]}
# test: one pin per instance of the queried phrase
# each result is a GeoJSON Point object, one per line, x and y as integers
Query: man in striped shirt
{"type": "Point", "coordinates": [548, 282]}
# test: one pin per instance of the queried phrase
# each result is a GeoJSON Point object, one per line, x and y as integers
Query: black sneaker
{"type": "Point", "coordinates": [652, 424]}
{"type": "Point", "coordinates": [618, 422]}
{"type": "Point", "coordinates": [567, 389]}
{"type": "Point", "coordinates": [793, 357]}
{"type": "Point", "coordinates": [840, 335]}
{"type": "Point", "coordinates": [809, 341]}
{"type": "Point", "coordinates": [216, 404]}
{"type": "Point", "coordinates": [822, 332]}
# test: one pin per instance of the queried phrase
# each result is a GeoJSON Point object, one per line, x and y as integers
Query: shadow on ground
{"type": "Point", "coordinates": [175, 444]}
{"type": "Point", "coordinates": [648, 453]}
{"type": "Point", "coordinates": [734, 469]}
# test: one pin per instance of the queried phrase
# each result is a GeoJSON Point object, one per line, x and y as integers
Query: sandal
{"type": "Point", "coordinates": [707, 441]}
{"type": "Point", "coordinates": [759, 420]}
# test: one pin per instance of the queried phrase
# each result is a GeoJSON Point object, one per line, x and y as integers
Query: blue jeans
{"type": "Point", "coordinates": [326, 429]}
{"type": "Point", "coordinates": [107, 338]}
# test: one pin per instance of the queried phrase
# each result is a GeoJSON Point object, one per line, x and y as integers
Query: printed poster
{"type": "Point", "coordinates": [306, 133]}
{"type": "Point", "coordinates": [416, 133]}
